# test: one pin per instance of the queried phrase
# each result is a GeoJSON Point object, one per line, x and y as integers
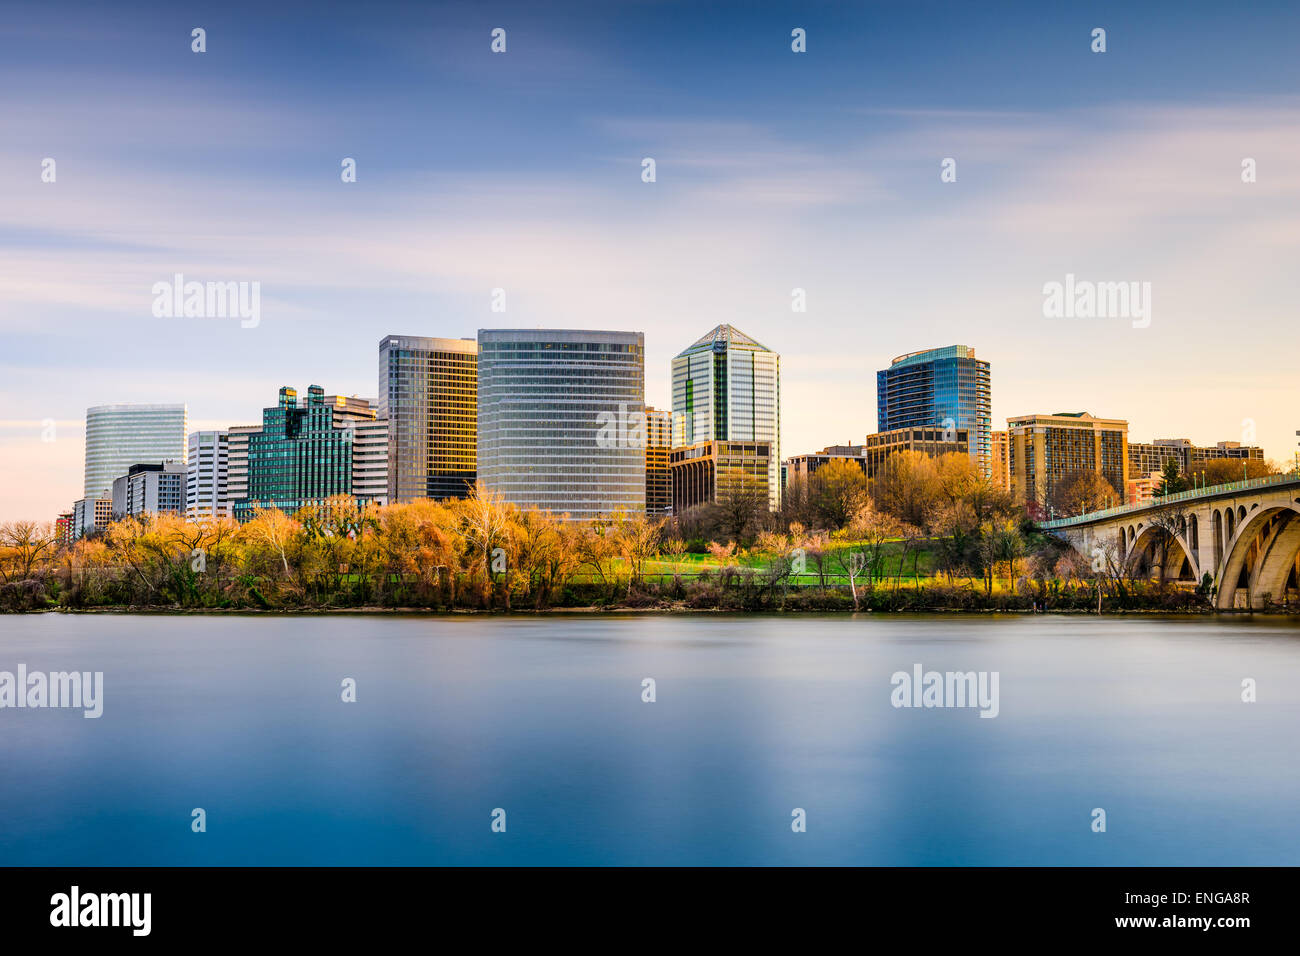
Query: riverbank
{"type": "Point", "coordinates": [677, 609]}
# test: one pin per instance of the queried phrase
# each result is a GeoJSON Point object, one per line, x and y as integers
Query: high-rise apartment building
{"type": "Point", "coordinates": [150, 488]}
{"type": "Point", "coordinates": [207, 475]}
{"type": "Point", "coordinates": [119, 436]}
{"type": "Point", "coordinates": [946, 388]}
{"type": "Point", "coordinates": [558, 413]}
{"type": "Point", "coordinates": [999, 460]}
{"type": "Point", "coordinates": [727, 387]}
{"type": "Point", "coordinates": [428, 394]}
{"type": "Point", "coordinates": [307, 452]}
{"type": "Point", "coordinates": [1043, 449]}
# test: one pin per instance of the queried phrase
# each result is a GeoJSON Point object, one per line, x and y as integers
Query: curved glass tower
{"type": "Point", "coordinates": [930, 388]}
{"type": "Point", "coordinates": [119, 436]}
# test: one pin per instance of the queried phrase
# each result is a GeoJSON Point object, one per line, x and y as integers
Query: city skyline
{"type": "Point", "coordinates": [527, 177]}
{"type": "Point", "coordinates": [428, 378]}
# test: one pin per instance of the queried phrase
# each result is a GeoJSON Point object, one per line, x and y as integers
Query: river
{"type": "Point", "coordinates": [754, 717]}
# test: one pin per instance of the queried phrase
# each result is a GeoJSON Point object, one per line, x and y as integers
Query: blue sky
{"type": "Point", "coordinates": [775, 171]}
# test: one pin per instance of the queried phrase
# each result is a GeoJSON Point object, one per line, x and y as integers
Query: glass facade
{"type": "Point", "coordinates": [727, 387]}
{"type": "Point", "coordinates": [119, 436]}
{"type": "Point", "coordinates": [428, 392]}
{"type": "Point", "coordinates": [658, 480]}
{"type": "Point", "coordinates": [547, 399]}
{"type": "Point", "coordinates": [304, 453]}
{"type": "Point", "coordinates": [927, 388]}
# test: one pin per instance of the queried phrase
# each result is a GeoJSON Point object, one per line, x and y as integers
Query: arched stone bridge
{"type": "Point", "coordinates": [1245, 535]}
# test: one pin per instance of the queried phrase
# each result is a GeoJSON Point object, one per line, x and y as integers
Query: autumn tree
{"type": "Point", "coordinates": [1082, 491]}
{"type": "Point", "coordinates": [840, 491]}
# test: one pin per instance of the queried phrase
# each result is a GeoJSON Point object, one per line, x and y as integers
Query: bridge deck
{"type": "Point", "coordinates": [1195, 494]}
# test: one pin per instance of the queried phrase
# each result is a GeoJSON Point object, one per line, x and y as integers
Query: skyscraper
{"type": "Point", "coordinates": [119, 436]}
{"type": "Point", "coordinates": [305, 453]}
{"type": "Point", "coordinates": [658, 479]}
{"type": "Point", "coordinates": [727, 387]}
{"type": "Point", "coordinates": [428, 392]}
{"type": "Point", "coordinates": [945, 388]}
{"type": "Point", "coordinates": [561, 419]}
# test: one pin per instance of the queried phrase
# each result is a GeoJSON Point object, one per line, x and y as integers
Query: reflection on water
{"type": "Point", "coordinates": [543, 717]}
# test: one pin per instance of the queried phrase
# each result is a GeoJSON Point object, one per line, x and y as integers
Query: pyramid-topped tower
{"type": "Point", "coordinates": [727, 387]}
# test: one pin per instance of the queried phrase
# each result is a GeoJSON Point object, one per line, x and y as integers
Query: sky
{"type": "Point", "coordinates": [775, 171]}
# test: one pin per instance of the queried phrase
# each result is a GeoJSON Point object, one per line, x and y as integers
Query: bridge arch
{"type": "Point", "coordinates": [1262, 557]}
{"type": "Point", "coordinates": [1157, 548]}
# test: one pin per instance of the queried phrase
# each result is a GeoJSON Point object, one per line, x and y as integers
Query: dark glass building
{"type": "Point", "coordinates": [305, 452]}
{"type": "Point", "coordinates": [944, 388]}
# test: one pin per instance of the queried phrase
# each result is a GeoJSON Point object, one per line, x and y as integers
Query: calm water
{"type": "Point", "coordinates": [755, 716]}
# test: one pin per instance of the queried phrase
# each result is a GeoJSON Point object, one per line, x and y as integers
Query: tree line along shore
{"type": "Point", "coordinates": [924, 534]}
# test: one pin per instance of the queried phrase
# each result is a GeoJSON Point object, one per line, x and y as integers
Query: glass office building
{"type": "Point", "coordinates": [935, 387]}
{"type": "Point", "coordinates": [305, 453]}
{"type": "Point", "coordinates": [428, 392]}
{"type": "Point", "coordinates": [560, 419]}
{"type": "Point", "coordinates": [727, 387]}
{"type": "Point", "coordinates": [119, 436]}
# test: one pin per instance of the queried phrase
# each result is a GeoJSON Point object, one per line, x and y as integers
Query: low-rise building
{"type": "Point", "coordinates": [149, 488]}
{"type": "Point", "coordinates": [711, 471]}
{"type": "Point", "coordinates": [932, 442]}
{"type": "Point", "coordinates": [1142, 488]}
{"type": "Point", "coordinates": [805, 466]}
{"type": "Point", "coordinates": [90, 515]}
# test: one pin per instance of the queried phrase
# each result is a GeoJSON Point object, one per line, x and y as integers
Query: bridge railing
{"type": "Point", "coordinates": [1213, 491]}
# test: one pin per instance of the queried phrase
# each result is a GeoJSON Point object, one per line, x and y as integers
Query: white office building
{"type": "Point", "coordinates": [150, 488]}
{"type": "Point", "coordinates": [207, 475]}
